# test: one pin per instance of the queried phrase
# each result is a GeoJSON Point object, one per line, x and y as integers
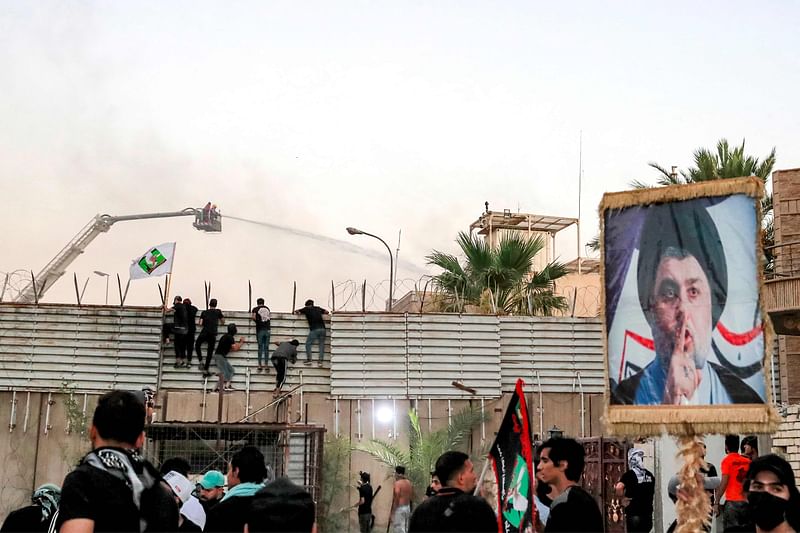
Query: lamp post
{"type": "Point", "coordinates": [103, 275]}
{"type": "Point", "coordinates": [354, 231]}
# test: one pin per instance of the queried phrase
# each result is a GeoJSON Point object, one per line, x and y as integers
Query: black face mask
{"type": "Point", "coordinates": [767, 511]}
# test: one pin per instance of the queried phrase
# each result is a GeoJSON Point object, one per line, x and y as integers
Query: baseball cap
{"type": "Point", "coordinates": [181, 486]}
{"type": "Point", "coordinates": [212, 480]}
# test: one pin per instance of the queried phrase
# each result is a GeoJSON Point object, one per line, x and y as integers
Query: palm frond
{"type": "Point", "coordinates": [594, 243]}
{"type": "Point", "coordinates": [461, 425]}
{"type": "Point", "coordinates": [637, 184]}
{"type": "Point", "coordinates": [386, 452]}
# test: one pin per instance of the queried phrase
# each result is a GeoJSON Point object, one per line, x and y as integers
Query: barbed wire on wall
{"type": "Point", "coordinates": [356, 296]}
{"type": "Point", "coordinates": [583, 301]}
{"type": "Point", "coordinates": [352, 295]}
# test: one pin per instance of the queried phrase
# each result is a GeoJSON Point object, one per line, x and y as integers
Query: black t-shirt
{"type": "Point", "coordinates": [211, 318]}
{"type": "Point", "coordinates": [89, 492]}
{"type": "Point", "coordinates": [229, 515]}
{"type": "Point", "coordinates": [365, 491]}
{"type": "Point", "coordinates": [641, 494]}
{"type": "Point", "coordinates": [26, 519]}
{"type": "Point", "coordinates": [577, 511]}
{"type": "Point", "coordinates": [453, 510]}
{"type": "Point", "coordinates": [262, 317]}
{"type": "Point", "coordinates": [181, 316]}
{"type": "Point", "coordinates": [225, 343]}
{"type": "Point", "coordinates": [191, 317]}
{"type": "Point", "coordinates": [314, 316]}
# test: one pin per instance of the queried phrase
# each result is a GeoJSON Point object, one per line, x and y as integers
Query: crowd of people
{"type": "Point", "coordinates": [114, 488]}
{"type": "Point", "coordinates": [180, 327]}
{"type": "Point", "coordinates": [760, 494]}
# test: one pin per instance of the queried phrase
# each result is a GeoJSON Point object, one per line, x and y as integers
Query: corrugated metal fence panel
{"type": "Point", "coordinates": [369, 355]}
{"type": "Point", "coordinates": [446, 348]}
{"type": "Point", "coordinates": [91, 348]}
{"type": "Point", "coordinates": [284, 326]}
{"type": "Point", "coordinates": [557, 348]}
{"type": "Point", "coordinates": [414, 355]}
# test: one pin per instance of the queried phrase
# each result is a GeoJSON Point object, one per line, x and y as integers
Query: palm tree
{"type": "Point", "coordinates": [425, 448]}
{"type": "Point", "coordinates": [728, 162]}
{"type": "Point", "coordinates": [725, 162]}
{"type": "Point", "coordinates": [498, 280]}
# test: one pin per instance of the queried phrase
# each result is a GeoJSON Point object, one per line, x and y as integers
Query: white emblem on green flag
{"type": "Point", "coordinates": [157, 261]}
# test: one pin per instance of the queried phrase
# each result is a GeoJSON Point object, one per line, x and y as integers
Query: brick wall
{"type": "Point", "coordinates": [786, 441]}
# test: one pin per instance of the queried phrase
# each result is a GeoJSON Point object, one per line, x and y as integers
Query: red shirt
{"type": "Point", "coordinates": [735, 466]}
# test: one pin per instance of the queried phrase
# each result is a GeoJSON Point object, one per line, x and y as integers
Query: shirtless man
{"type": "Point", "coordinates": [401, 500]}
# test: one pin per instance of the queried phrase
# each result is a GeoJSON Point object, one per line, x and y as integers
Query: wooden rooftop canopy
{"type": "Point", "coordinates": [494, 220]}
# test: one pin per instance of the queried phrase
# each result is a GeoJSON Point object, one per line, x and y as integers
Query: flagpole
{"type": "Point", "coordinates": [480, 478]}
{"type": "Point", "coordinates": [168, 283]}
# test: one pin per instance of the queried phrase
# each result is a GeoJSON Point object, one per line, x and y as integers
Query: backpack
{"type": "Point", "coordinates": [262, 315]}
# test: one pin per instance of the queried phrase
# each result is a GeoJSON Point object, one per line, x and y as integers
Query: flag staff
{"type": "Point", "coordinates": [480, 478]}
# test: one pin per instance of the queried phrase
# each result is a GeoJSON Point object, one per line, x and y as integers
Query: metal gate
{"type": "Point", "coordinates": [606, 461]}
{"type": "Point", "coordinates": [289, 450]}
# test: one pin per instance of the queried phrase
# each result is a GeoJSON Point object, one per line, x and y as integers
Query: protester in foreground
{"type": "Point", "coordinates": [773, 501]}
{"type": "Point", "coordinates": [402, 492]}
{"type": "Point", "coordinates": [316, 329]}
{"type": "Point", "coordinates": [246, 474]}
{"type": "Point", "coordinates": [283, 354]}
{"type": "Point", "coordinates": [637, 486]}
{"type": "Point", "coordinates": [454, 508]}
{"type": "Point", "coordinates": [114, 488]}
{"type": "Point", "coordinates": [211, 489]}
{"type": "Point", "coordinates": [227, 344]}
{"type": "Point", "coordinates": [734, 469]}
{"type": "Point", "coordinates": [261, 317]}
{"type": "Point", "coordinates": [188, 519]}
{"type": "Point", "coordinates": [281, 506]}
{"type": "Point", "coordinates": [365, 495]}
{"type": "Point", "coordinates": [561, 462]}
{"type": "Point", "coordinates": [37, 516]}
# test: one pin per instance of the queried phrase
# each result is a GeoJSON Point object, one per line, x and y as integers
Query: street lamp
{"type": "Point", "coordinates": [354, 231]}
{"type": "Point", "coordinates": [103, 274]}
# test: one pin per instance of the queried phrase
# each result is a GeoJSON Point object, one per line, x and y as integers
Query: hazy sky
{"type": "Point", "coordinates": [384, 116]}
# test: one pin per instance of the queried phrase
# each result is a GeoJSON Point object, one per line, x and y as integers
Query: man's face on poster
{"type": "Point", "coordinates": [681, 305]}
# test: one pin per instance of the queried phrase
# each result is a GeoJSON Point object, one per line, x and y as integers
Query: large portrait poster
{"type": "Point", "coordinates": [684, 325]}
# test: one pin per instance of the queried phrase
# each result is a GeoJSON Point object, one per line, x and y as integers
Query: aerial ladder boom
{"type": "Point", "coordinates": [205, 220]}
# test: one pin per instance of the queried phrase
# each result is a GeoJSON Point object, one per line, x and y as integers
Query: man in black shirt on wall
{"type": "Point", "coordinates": [180, 328]}
{"type": "Point", "coordinates": [316, 327]}
{"type": "Point", "coordinates": [365, 496]}
{"type": "Point", "coordinates": [191, 330]}
{"type": "Point", "coordinates": [261, 317]}
{"type": "Point", "coordinates": [114, 488]}
{"type": "Point", "coordinates": [210, 319]}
